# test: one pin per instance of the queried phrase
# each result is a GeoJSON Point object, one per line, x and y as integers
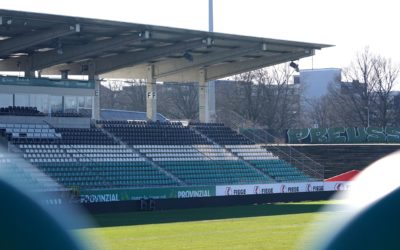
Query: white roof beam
{"type": "Point", "coordinates": [164, 69]}
{"type": "Point", "coordinates": [73, 69]}
{"type": "Point", "coordinates": [70, 54]}
{"type": "Point", "coordinates": [229, 69]}
{"type": "Point", "coordinates": [111, 63]}
{"type": "Point", "coordinates": [22, 42]}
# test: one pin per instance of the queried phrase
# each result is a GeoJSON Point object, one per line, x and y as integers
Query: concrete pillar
{"type": "Point", "coordinates": [28, 71]}
{"type": "Point", "coordinates": [151, 95]}
{"type": "Point", "coordinates": [29, 74]}
{"type": "Point", "coordinates": [211, 101]}
{"type": "Point", "coordinates": [64, 74]}
{"type": "Point", "coordinates": [204, 115]}
{"type": "Point", "coordinates": [96, 97]}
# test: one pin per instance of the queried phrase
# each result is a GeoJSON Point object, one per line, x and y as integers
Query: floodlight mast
{"type": "Point", "coordinates": [210, 115]}
{"type": "Point", "coordinates": [210, 16]}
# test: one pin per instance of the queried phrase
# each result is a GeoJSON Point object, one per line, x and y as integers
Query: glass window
{"type": "Point", "coordinates": [85, 106]}
{"type": "Point", "coordinates": [88, 102]}
{"type": "Point", "coordinates": [6, 100]}
{"type": "Point", "coordinates": [56, 103]}
{"type": "Point", "coordinates": [81, 101]}
{"type": "Point", "coordinates": [41, 102]}
{"type": "Point", "coordinates": [70, 104]}
{"type": "Point", "coordinates": [22, 100]}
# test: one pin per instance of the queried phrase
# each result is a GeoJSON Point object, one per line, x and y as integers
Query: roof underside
{"type": "Point", "coordinates": [52, 43]}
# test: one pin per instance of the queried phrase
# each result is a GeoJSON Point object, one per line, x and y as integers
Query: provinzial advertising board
{"type": "Point", "coordinates": [112, 195]}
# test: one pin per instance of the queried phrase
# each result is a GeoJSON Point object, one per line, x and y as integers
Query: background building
{"type": "Point", "coordinates": [315, 82]}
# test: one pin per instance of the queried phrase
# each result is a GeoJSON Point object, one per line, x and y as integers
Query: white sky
{"type": "Point", "coordinates": [350, 25]}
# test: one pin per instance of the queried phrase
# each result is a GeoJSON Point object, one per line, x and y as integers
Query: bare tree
{"type": "Point", "coordinates": [110, 93]}
{"type": "Point", "coordinates": [396, 108]}
{"type": "Point", "coordinates": [133, 96]}
{"type": "Point", "coordinates": [251, 90]}
{"type": "Point", "coordinates": [317, 114]}
{"type": "Point", "coordinates": [344, 105]}
{"type": "Point", "coordinates": [386, 78]}
{"type": "Point", "coordinates": [179, 101]}
{"type": "Point", "coordinates": [265, 98]}
{"type": "Point", "coordinates": [365, 98]}
{"type": "Point", "coordinates": [286, 98]}
{"type": "Point", "coordinates": [360, 95]}
{"type": "Point", "coordinates": [241, 100]}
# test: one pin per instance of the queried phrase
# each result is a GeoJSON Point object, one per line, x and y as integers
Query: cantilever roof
{"type": "Point", "coordinates": [50, 43]}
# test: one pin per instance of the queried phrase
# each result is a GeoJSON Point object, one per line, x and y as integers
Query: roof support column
{"type": "Point", "coordinates": [96, 97]}
{"type": "Point", "coordinates": [29, 74]}
{"type": "Point", "coordinates": [28, 70]}
{"type": "Point", "coordinates": [211, 101]}
{"type": "Point", "coordinates": [151, 94]}
{"type": "Point", "coordinates": [204, 115]}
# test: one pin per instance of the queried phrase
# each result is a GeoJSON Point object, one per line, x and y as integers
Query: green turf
{"type": "Point", "coordinates": [279, 226]}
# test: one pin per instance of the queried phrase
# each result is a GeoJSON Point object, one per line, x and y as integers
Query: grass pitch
{"type": "Point", "coordinates": [277, 226]}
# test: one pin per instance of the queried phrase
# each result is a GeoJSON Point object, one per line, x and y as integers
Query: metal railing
{"type": "Point", "coordinates": [284, 151]}
{"type": "Point", "coordinates": [287, 153]}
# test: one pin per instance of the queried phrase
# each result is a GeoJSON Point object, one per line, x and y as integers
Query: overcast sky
{"type": "Point", "coordinates": [349, 25]}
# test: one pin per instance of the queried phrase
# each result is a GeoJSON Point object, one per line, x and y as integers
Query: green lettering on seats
{"type": "Point", "coordinates": [392, 135]}
{"type": "Point", "coordinates": [375, 134]}
{"type": "Point", "coordinates": [318, 135]}
{"type": "Point", "coordinates": [335, 135]}
{"type": "Point", "coordinates": [297, 135]}
{"type": "Point", "coordinates": [356, 135]}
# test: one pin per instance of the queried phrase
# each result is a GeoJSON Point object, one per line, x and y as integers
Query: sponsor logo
{"type": "Point", "coordinates": [267, 190]}
{"type": "Point", "coordinates": [228, 191]}
{"type": "Point", "coordinates": [239, 191]}
{"type": "Point", "coordinates": [193, 193]}
{"type": "Point", "coordinates": [314, 188]}
{"type": "Point", "coordinates": [317, 188]}
{"type": "Point", "coordinates": [293, 189]}
{"type": "Point", "coordinates": [283, 187]}
{"type": "Point", "coordinates": [341, 187]}
{"type": "Point", "coordinates": [258, 190]}
{"type": "Point", "coordinates": [93, 198]}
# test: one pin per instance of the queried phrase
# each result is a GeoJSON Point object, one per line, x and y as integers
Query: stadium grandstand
{"type": "Point", "coordinates": [54, 123]}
